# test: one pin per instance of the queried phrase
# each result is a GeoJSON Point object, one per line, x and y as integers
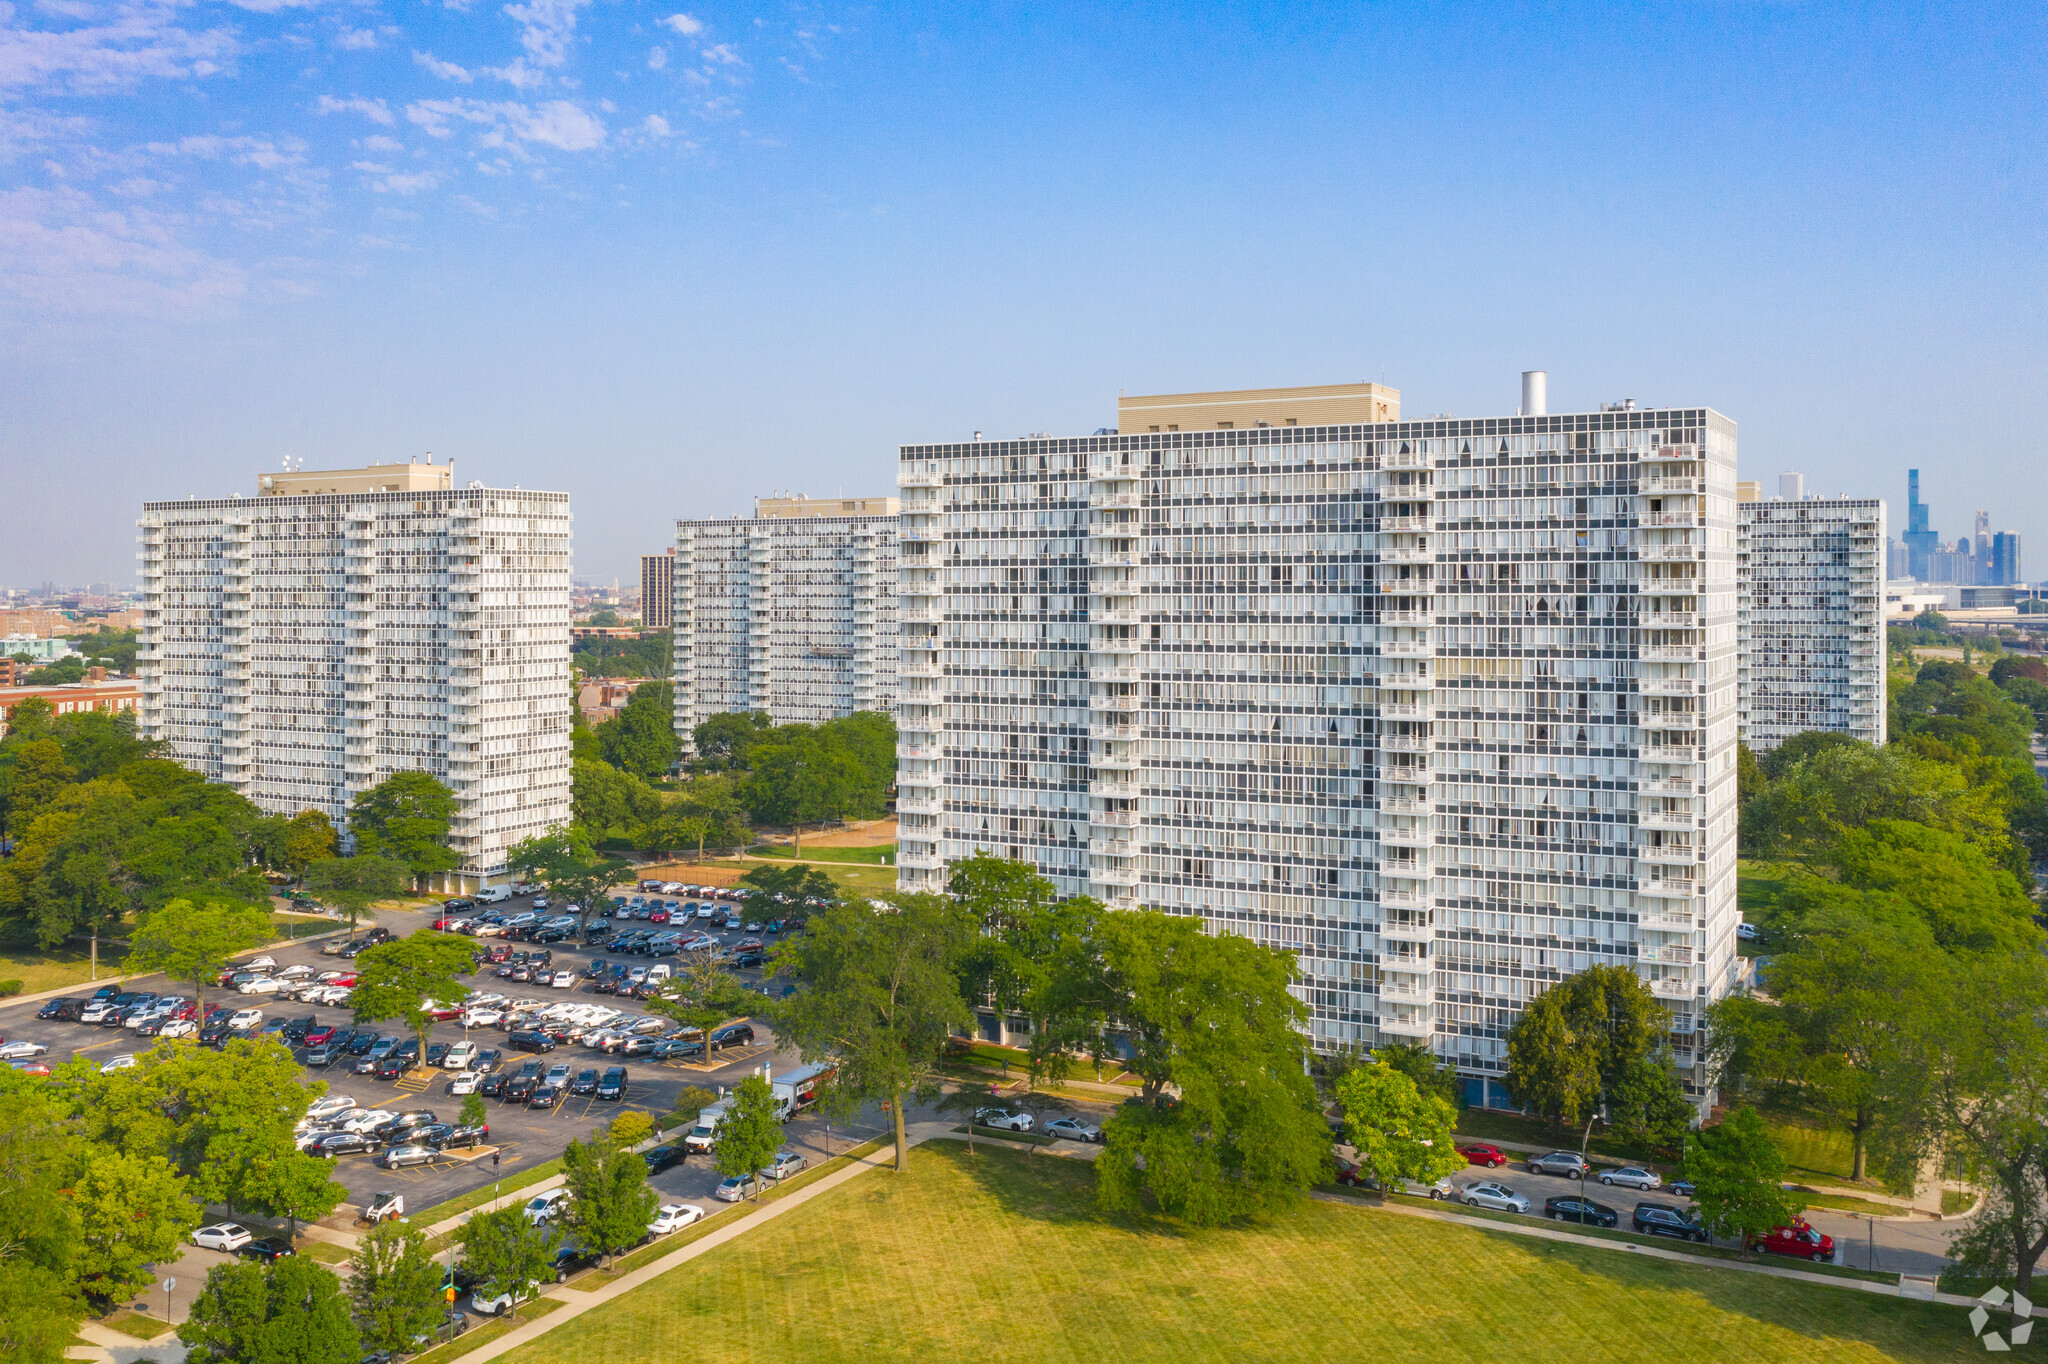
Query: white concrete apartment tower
{"type": "Point", "coordinates": [1447, 707]}
{"type": "Point", "coordinates": [1812, 617]}
{"type": "Point", "coordinates": [345, 625]}
{"type": "Point", "coordinates": [790, 612]}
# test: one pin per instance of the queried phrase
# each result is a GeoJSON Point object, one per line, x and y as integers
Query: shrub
{"type": "Point", "coordinates": [9, 988]}
{"type": "Point", "coordinates": [691, 1100]}
{"type": "Point", "coordinates": [630, 1129]}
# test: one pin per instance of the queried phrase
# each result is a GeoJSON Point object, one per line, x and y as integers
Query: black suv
{"type": "Point", "coordinates": [392, 1066]}
{"type": "Point", "coordinates": [733, 1035]}
{"type": "Point", "coordinates": [64, 1010]}
{"type": "Point", "coordinates": [530, 1041]}
{"type": "Point", "coordinates": [584, 1083]}
{"type": "Point", "coordinates": [660, 1158]}
{"type": "Point", "coordinates": [1667, 1219]}
{"type": "Point", "coordinates": [360, 1044]}
{"type": "Point", "coordinates": [464, 1136]}
{"type": "Point", "coordinates": [613, 1085]}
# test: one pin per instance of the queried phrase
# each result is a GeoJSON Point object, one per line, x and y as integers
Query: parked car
{"type": "Point", "coordinates": [732, 1035]}
{"type": "Point", "coordinates": [269, 1250]}
{"type": "Point", "coordinates": [495, 1303]}
{"type": "Point", "coordinates": [674, 1217]}
{"type": "Point", "coordinates": [1570, 1164]}
{"type": "Point", "coordinates": [1495, 1195]}
{"type": "Point", "coordinates": [1633, 1177]}
{"type": "Point", "coordinates": [468, 1082]}
{"type": "Point", "coordinates": [659, 1158]}
{"type": "Point", "coordinates": [1482, 1154]}
{"type": "Point", "coordinates": [612, 1087]}
{"type": "Point", "coordinates": [223, 1236]}
{"type": "Point", "coordinates": [1799, 1240]}
{"type": "Point", "coordinates": [1573, 1208]}
{"type": "Point", "coordinates": [543, 1096]}
{"type": "Point", "coordinates": [21, 1050]}
{"type": "Point", "coordinates": [1667, 1219]}
{"type": "Point", "coordinates": [125, 1061]}
{"type": "Point", "coordinates": [1074, 1129]}
{"type": "Point", "coordinates": [329, 1106]}
{"type": "Point", "coordinates": [459, 1056]}
{"type": "Point", "coordinates": [1008, 1119]}
{"type": "Point", "coordinates": [474, 1134]}
{"type": "Point", "coordinates": [544, 1206]}
{"type": "Point", "coordinates": [785, 1164]}
{"type": "Point", "coordinates": [411, 1153]}
{"type": "Point", "coordinates": [735, 1187]}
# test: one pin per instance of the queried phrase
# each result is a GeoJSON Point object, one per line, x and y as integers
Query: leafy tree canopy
{"type": "Point", "coordinates": [406, 817]}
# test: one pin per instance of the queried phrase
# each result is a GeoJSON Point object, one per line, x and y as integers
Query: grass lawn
{"type": "Point", "coordinates": [39, 971]}
{"type": "Point", "coordinates": [882, 854]}
{"type": "Point", "coordinates": [476, 1198]}
{"type": "Point", "coordinates": [849, 876]}
{"type": "Point", "coordinates": [130, 1323]}
{"type": "Point", "coordinates": [477, 1336]}
{"type": "Point", "coordinates": [973, 1256]}
{"type": "Point", "coordinates": [1813, 1152]}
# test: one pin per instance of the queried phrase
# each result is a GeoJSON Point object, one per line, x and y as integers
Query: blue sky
{"type": "Point", "coordinates": [670, 257]}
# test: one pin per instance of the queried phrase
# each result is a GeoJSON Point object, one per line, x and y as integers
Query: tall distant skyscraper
{"type": "Point", "coordinates": [1447, 708]}
{"type": "Point", "coordinates": [658, 590]}
{"type": "Point", "coordinates": [1791, 487]}
{"type": "Point", "coordinates": [345, 625]}
{"type": "Point", "coordinates": [1921, 542]}
{"type": "Point", "coordinates": [2005, 559]}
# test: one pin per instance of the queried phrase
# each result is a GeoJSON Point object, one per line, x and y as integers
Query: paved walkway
{"type": "Point", "coordinates": [114, 1347]}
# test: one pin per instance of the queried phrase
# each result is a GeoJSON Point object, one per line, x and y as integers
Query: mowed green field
{"type": "Point", "coordinates": [979, 1257]}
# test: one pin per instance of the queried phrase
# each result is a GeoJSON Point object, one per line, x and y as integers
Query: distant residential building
{"type": "Point", "coordinates": [96, 692]}
{"type": "Point", "coordinates": [601, 700]}
{"type": "Point", "coordinates": [1952, 564]}
{"type": "Point", "coordinates": [1811, 594]}
{"type": "Point", "coordinates": [790, 612]}
{"type": "Point", "coordinates": [38, 624]}
{"type": "Point", "coordinates": [305, 644]}
{"type": "Point", "coordinates": [1791, 487]}
{"type": "Point", "coordinates": [658, 590]}
{"type": "Point", "coordinates": [40, 648]}
{"type": "Point", "coordinates": [1898, 565]}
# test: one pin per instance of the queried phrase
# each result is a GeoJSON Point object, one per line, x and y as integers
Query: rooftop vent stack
{"type": "Point", "coordinates": [1535, 393]}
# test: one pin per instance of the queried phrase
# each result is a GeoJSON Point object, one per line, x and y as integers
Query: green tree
{"type": "Point", "coordinates": [193, 944]}
{"type": "Point", "coordinates": [571, 870]}
{"type": "Point", "coordinates": [506, 1253]}
{"type": "Point", "coordinates": [795, 883]}
{"type": "Point", "coordinates": [723, 741]}
{"type": "Point", "coordinates": [607, 800]}
{"type": "Point", "coordinates": [750, 1134]}
{"type": "Point", "coordinates": [1738, 1174]}
{"type": "Point", "coordinates": [134, 1212]}
{"type": "Point", "coordinates": [394, 1287]}
{"type": "Point", "coordinates": [406, 817]}
{"type": "Point", "coordinates": [295, 1186]}
{"type": "Point", "coordinates": [1420, 1064]}
{"type": "Point", "coordinates": [38, 1315]}
{"type": "Point", "coordinates": [630, 1128]}
{"type": "Point", "coordinates": [353, 884]}
{"type": "Point", "coordinates": [308, 838]}
{"type": "Point", "coordinates": [612, 1204]}
{"type": "Point", "coordinates": [289, 1312]}
{"type": "Point", "coordinates": [1609, 1020]}
{"type": "Point", "coordinates": [1399, 1132]}
{"type": "Point", "coordinates": [1551, 1071]}
{"type": "Point", "coordinates": [399, 979]}
{"type": "Point", "coordinates": [1647, 1105]}
{"type": "Point", "coordinates": [702, 994]}
{"type": "Point", "coordinates": [641, 738]}
{"type": "Point", "coordinates": [884, 995]}
{"type": "Point", "coordinates": [473, 1113]}
{"type": "Point", "coordinates": [40, 775]}
{"type": "Point", "coordinates": [1229, 1124]}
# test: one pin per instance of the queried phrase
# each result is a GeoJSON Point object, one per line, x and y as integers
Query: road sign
{"type": "Point", "coordinates": [451, 1293]}
{"type": "Point", "coordinates": [170, 1284]}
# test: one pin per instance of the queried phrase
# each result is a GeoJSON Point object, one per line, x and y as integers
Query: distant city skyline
{"type": "Point", "coordinates": [669, 260]}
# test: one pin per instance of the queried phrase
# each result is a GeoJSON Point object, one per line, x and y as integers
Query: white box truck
{"type": "Point", "coordinates": [706, 1131]}
{"type": "Point", "coordinates": [797, 1090]}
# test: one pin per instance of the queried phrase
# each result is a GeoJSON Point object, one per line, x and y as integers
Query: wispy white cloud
{"type": "Point", "coordinates": [373, 109]}
{"type": "Point", "coordinates": [657, 57]}
{"type": "Point", "coordinates": [408, 183]}
{"type": "Point", "coordinates": [134, 42]}
{"type": "Point", "coordinates": [447, 71]}
{"type": "Point", "coordinates": [62, 250]}
{"type": "Point", "coordinates": [546, 28]}
{"type": "Point", "coordinates": [378, 143]}
{"type": "Point", "coordinates": [356, 39]}
{"type": "Point", "coordinates": [506, 124]}
{"type": "Point", "coordinates": [683, 24]}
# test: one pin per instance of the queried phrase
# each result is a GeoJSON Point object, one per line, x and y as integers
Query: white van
{"type": "Point", "coordinates": [705, 1134]}
{"type": "Point", "coordinates": [492, 895]}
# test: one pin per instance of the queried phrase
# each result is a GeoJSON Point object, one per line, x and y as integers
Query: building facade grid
{"type": "Point", "coordinates": [1812, 646]}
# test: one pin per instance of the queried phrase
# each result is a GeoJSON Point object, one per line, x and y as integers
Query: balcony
{"type": "Point", "coordinates": [1114, 615]}
{"type": "Point", "coordinates": [1668, 653]}
{"type": "Point", "coordinates": [920, 478]}
{"type": "Point", "coordinates": [1111, 844]}
{"type": "Point", "coordinates": [1108, 701]}
{"type": "Point", "coordinates": [919, 752]}
{"type": "Point", "coordinates": [1659, 753]}
{"type": "Point", "coordinates": [1670, 453]}
{"type": "Point", "coordinates": [1404, 459]}
{"type": "Point", "coordinates": [1113, 876]}
{"type": "Point", "coordinates": [1392, 897]}
{"type": "Point", "coordinates": [1668, 620]}
{"type": "Point", "coordinates": [1109, 672]}
{"type": "Point", "coordinates": [1408, 1025]}
{"type": "Point", "coordinates": [1672, 987]}
{"type": "Point", "coordinates": [919, 805]}
{"type": "Point", "coordinates": [1113, 733]}
{"type": "Point", "coordinates": [1393, 525]}
{"type": "Point", "coordinates": [1415, 681]}
{"type": "Point", "coordinates": [911, 667]}
{"type": "Point", "coordinates": [1407, 555]}
{"type": "Point", "coordinates": [1407, 994]}
{"type": "Point", "coordinates": [1407, 710]}
{"type": "Point", "coordinates": [1667, 686]}
{"type": "Point", "coordinates": [1114, 819]}
{"type": "Point", "coordinates": [1115, 644]}
{"type": "Point", "coordinates": [1105, 557]}
{"type": "Point", "coordinates": [1405, 805]}
{"type": "Point", "coordinates": [1660, 921]}
{"type": "Point", "coordinates": [1683, 721]}
{"type": "Point", "coordinates": [1656, 486]}
{"type": "Point", "coordinates": [1113, 786]}
{"type": "Point", "coordinates": [1667, 553]}
{"type": "Point", "coordinates": [918, 861]}
{"type": "Point", "coordinates": [1114, 764]}
{"type": "Point", "coordinates": [1406, 743]}
{"type": "Point", "coordinates": [1667, 786]}
{"type": "Point", "coordinates": [1662, 518]}
{"type": "Point", "coordinates": [1669, 855]}
{"type": "Point", "coordinates": [1673, 820]}
{"type": "Point", "coordinates": [1407, 648]}
{"type": "Point", "coordinates": [1112, 501]}
{"type": "Point", "coordinates": [1403, 836]}
{"type": "Point", "coordinates": [1407, 618]}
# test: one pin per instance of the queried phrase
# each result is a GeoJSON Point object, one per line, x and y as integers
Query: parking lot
{"type": "Point", "coordinates": [520, 1136]}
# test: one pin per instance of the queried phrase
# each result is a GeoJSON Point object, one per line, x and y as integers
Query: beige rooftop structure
{"type": "Point", "coordinates": [1241, 408]}
{"type": "Point", "coordinates": [795, 505]}
{"type": "Point", "coordinates": [371, 478]}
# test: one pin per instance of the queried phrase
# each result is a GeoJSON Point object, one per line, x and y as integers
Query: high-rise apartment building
{"type": "Point", "coordinates": [1446, 707]}
{"type": "Point", "coordinates": [2005, 559]}
{"type": "Point", "coordinates": [658, 590]}
{"type": "Point", "coordinates": [345, 625]}
{"type": "Point", "coordinates": [1812, 647]}
{"type": "Point", "coordinates": [791, 611]}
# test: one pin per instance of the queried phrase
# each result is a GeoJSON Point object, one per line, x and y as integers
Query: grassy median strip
{"type": "Point", "coordinates": [478, 1336]}
{"type": "Point", "coordinates": [990, 1255]}
{"type": "Point", "coordinates": [326, 1252]}
{"type": "Point", "coordinates": [476, 1198]}
{"type": "Point", "coordinates": [137, 1324]}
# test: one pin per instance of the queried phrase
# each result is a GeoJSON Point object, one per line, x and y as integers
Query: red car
{"type": "Point", "coordinates": [441, 1013]}
{"type": "Point", "coordinates": [658, 915]}
{"type": "Point", "coordinates": [1798, 1240]}
{"type": "Point", "coordinates": [448, 925]}
{"type": "Point", "coordinates": [320, 1036]}
{"type": "Point", "coordinates": [1479, 1153]}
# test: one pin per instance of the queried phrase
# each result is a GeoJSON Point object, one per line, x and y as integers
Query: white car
{"type": "Point", "coordinates": [336, 994]}
{"type": "Point", "coordinates": [483, 1018]}
{"type": "Point", "coordinates": [546, 1205]}
{"type": "Point", "coordinates": [257, 964]}
{"type": "Point", "coordinates": [21, 1051]}
{"type": "Point", "coordinates": [558, 1076]}
{"type": "Point", "coordinates": [1633, 1177]}
{"type": "Point", "coordinates": [178, 1027]}
{"type": "Point", "coordinates": [485, 1001]}
{"type": "Point", "coordinates": [1493, 1194]}
{"type": "Point", "coordinates": [261, 985]}
{"type": "Point", "coordinates": [674, 1217]}
{"type": "Point", "coordinates": [1007, 1119]}
{"type": "Point", "coordinates": [222, 1236]}
{"type": "Point", "coordinates": [785, 1164]}
{"type": "Point", "coordinates": [459, 1056]}
{"type": "Point", "coordinates": [241, 1020]}
{"type": "Point", "coordinates": [563, 980]}
{"type": "Point", "coordinates": [469, 1082]}
{"type": "Point", "coordinates": [499, 1302]}
{"type": "Point", "coordinates": [324, 1108]}
{"type": "Point", "coordinates": [125, 1061]}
